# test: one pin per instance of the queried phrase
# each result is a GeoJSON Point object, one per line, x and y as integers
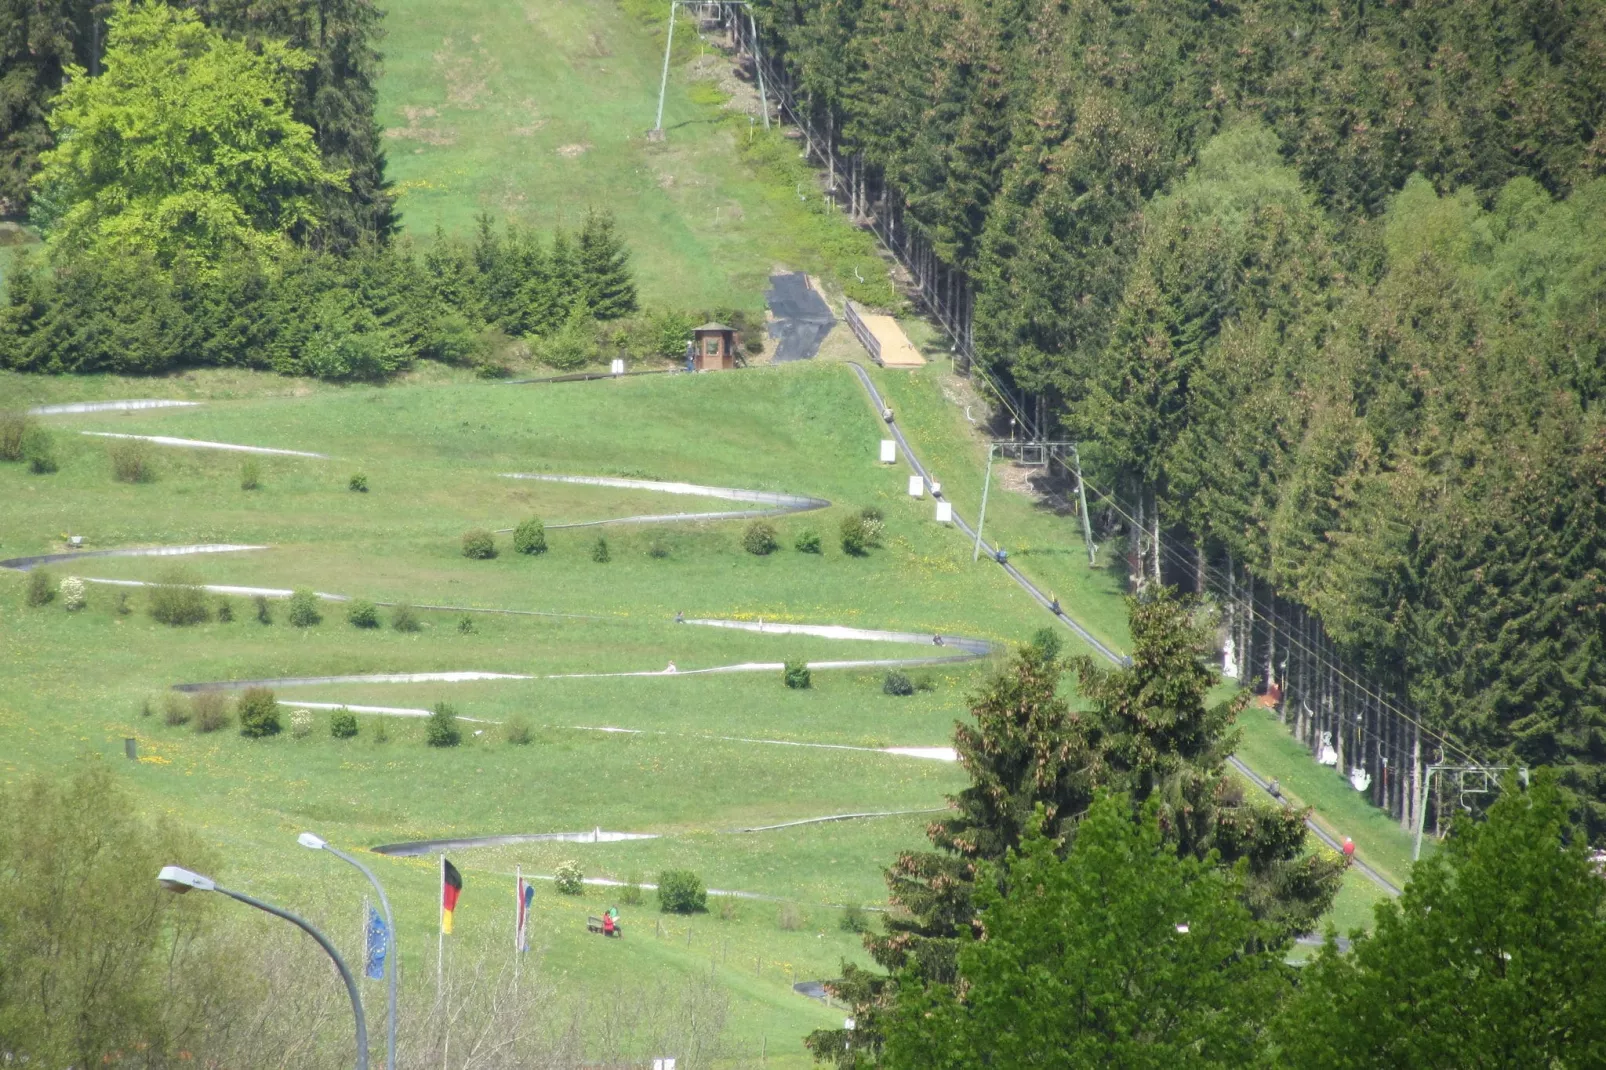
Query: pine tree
{"type": "Point", "coordinates": [603, 263]}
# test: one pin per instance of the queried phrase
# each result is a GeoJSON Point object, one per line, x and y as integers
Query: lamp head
{"type": "Point", "coordinates": [308, 840]}
{"type": "Point", "coordinates": [180, 880]}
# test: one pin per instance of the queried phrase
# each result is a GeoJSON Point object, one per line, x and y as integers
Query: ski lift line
{"type": "Point", "coordinates": [1294, 642]}
{"type": "Point", "coordinates": [1014, 573]}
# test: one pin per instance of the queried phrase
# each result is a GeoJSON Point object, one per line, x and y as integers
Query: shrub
{"type": "Point", "coordinates": [599, 551]}
{"type": "Point", "coordinates": [73, 594]}
{"type": "Point", "coordinates": [465, 625]}
{"type": "Point", "coordinates": [924, 682]}
{"type": "Point", "coordinates": [209, 710]}
{"type": "Point", "coordinates": [131, 461]}
{"type": "Point", "coordinates": [680, 891]}
{"type": "Point", "coordinates": [855, 542]}
{"type": "Point", "coordinates": [343, 723]}
{"type": "Point", "coordinates": [258, 713]}
{"type": "Point", "coordinates": [225, 610]}
{"type": "Point", "coordinates": [759, 538]}
{"type": "Point", "coordinates": [264, 609]}
{"type": "Point", "coordinates": [301, 723]}
{"type": "Point", "coordinates": [658, 549]}
{"type": "Point", "coordinates": [854, 919]}
{"type": "Point", "coordinates": [177, 600]}
{"type": "Point", "coordinates": [568, 879]}
{"type": "Point", "coordinates": [362, 614]}
{"type": "Point", "coordinates": [145, 707]}
{"type": "Point", "coordinates": [796, 674]}
{"type": "Point", "coordinates": [403, 619]}
{"type": "Point", "coordinates": [630, 895]}
{"type": "Point", "coordinates": [789, 917]}
{"type": "Point", "coordinates": [808, 542]}
{"type": "Point", "coordinates": [304, 609]}
{"type": "Point", "coordinates": [250, 475]}
{"type": "Point", "coordinates": [39, 451]}
{"type": "Point", "coordinates": [358, 483]}
{"type": "Point", "coordinates": [120, 604]}
{"type": "Point", "coordinates": [897, 683]}
{"type": "Point", "coordinates": [381, 729]}
{"type": "Point", "coordinates": [729, 907]}
{"type": "Point", "coordinates": [175, 710]}
{"type": "Point", "coordinates": [478, 545]}
{"type": "Point", "coordinates": [517, 730]}
{"type": "Point", "coordinates": [14, 427]}
{"type": "Point", "coordinates": [530, 537]}
{"type": "Point", "coordinates": [874, 525]}
{"type": "Point", "coordinates": [441, 729]}
{"type": "Point", "coordinates": [40, 589]}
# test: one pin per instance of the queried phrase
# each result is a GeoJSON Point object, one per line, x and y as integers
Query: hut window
{"type": "Point", "coordinates": [711, 347]}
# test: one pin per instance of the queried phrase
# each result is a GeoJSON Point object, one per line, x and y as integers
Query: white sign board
{"type": "Point", "coordinates": [889, 451]}
{"type": "Point", "coordinates": [945, 512]}
{"type": "Point", "coordinates": [917, 487]}
{"type": "Point", "coordinates": [618, 367]}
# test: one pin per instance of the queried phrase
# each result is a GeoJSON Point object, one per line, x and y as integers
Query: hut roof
{"type": "Point", "coordinates": [711, 326]}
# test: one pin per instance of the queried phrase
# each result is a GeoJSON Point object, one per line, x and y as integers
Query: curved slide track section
{"type": "Point", "coordinates": [776, 504]}
{"type": "Point", "coordinates": [109, 406]}
{"type": "Point", "coordinates": [202, 444]}
{"type": "Point", "coordinates": [427, 847]}
{"type": "Point", "coordinates": [23, 564]}
{"type": "Point", "coordinates": [838, 631]}
{"type": "Point", "coordinates": [368, 678]}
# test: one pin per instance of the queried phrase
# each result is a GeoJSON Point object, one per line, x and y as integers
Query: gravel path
{"type": "Point", "coordinates": [202, 444]}
{"type": "Point", "coordinates": [23, 564]}
{"type": "Point", "coordinates": [109, 406]}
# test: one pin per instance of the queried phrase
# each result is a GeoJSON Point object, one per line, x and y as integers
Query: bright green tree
{"type": "Point", "coordinates": [1495, 955]}
{"type": "Point", "coordinates": [1121, 953]}
{"type": "Point", "coordinates": [184, 146]}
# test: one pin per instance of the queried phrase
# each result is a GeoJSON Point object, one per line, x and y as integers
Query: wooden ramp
{"type": "Point", "coordinates": [883, 339]}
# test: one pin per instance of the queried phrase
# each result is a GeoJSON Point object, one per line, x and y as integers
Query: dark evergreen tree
{"type": "Point", "coordinates": [603, 263]}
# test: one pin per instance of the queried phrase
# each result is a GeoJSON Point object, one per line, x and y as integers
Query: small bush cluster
{"type": "Point", "coordinates": [250, 475]}
{"type": "Point", "coordinates": [14, 426]}
{"type": "Point", "coordinates": [304, 609]}
{"type": "Point", "coordinates": [658, 549]}
{"type": "Point", "coordinates": [854, 919]}
{"type": "Point", "coordinates": [41, 588]}
{"type": "Point", "coordinates": [599, 551]}
{"type": "Point", "coordinates": [808, 542]}
{"type": "Point", "coordinates": [264, 609]}
{"type": "Point", "coordinates": [120, 604]}
{"type": "Point", "coordinates": [630, 894]}
{"type": "Point", "coordinates": [225, 610]}
{"type": "Point", "coordinates": [530, 537]}
{"type": "Point", "coordinates": [403, 619]}
{"type": "Point", "coordinates": [343, 724]}
{"type": "Point", "coordinates": [175, 710]}
{"type": "Point", "coordinates": [131, 461]}
{"type": "Point", "coordinates": [39, 450]}
{"type": "Point", "coordinates": [478, 545]}
{"type": "Point", "coordinates": [517, 730]}
{"type": "Point", "coordinates": [177, 600]}
{"type": "Point", "coordinates": [441, 728]}
{"type": "Point", "coordinates": [680, 891]}
{"type": "Point", "coordinates": [258, 713]}
{"type": "Point", "coordinates": [300, 723]}
{"type": "Point", "coordinates": [74, 593]}
{"type": "Point", "coordinates": [465, 624]}
{"type": "Point", "coordinates": [209, 710]}
{"type": "Point", "coordinates": [568, 879]}
{"type": "Point", "coordinates": [759, 539]}
{"type": "Point", "coordinates": [358, 483]}
{"type": "Point", "coordinates": [862, 532]}
{"type": "Point", "coordinates": [362, 613]}
{"type": "Point", "coordinates": [897, 683]}
{"type": "Point", "coordinates": [796, 675]}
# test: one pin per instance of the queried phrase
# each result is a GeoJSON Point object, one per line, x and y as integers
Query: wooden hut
{"type": "Point", "coordinates": [713, 347]}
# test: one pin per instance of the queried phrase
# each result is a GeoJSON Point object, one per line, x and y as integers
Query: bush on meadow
{"type": "Point", "coordinates": [358, 483]}
{"type": "Point", "coordinates": [41, 588]}
{"type": "Point", "coordinates": [855, 540]}
{"type": "Point", "coordinates": [403, 619]}
{"type": "Point", "coordinates": [517, 730]}
{"type": "Point", "coordinates": [808, 542]}
{"type": "Point", "coordinates": [568, 879]}
{"type": "Point", "coordinates": [854, 919]}
{"type": "Point", "coordinates": [343, 724]}
{"type": "Point", "coordinates": [264, 609]}
{"type": "Point", "coordinates": [759, 539]}
{"type": "Point", "coordinates": [680, 891]}
{"type": "Point", "coordinates": [39, 450]}
{"type": "Point", "coordinates": [14, 425]}
{"type": "Point", "coordinates": [225, 611]}
{"type": "Point", "coordinates": [178, 600]}
{"type": "Point", "coordinates": [362, 614]}
{"type": "Point", "coordinates": [209, 710]}
{"type": "Point", "coordinates": [250, 475]}
{"type": "Point", "coordinates": [599, 551]}
{"type": "Point", "coordinates": [304, 609]}
{"type": "Point", "coordinates": [897, 683]}
{"type": "Point", "coordinates": [258, 713]}
{"type": "Point", "coordinates": [300, 723]}
{"type": "Point", "coordinates": [74, 593]}
{"type": "Point", "coordinates": [176, 709]}
{"type": "Point", "coordinates": [479, 544]}
{"type": "Point", "coordinates": [796, 675]}
{"type": "Point", "coordinates": [441, 728]}
{"type": "Point", "coordinates": [131, 461]}
{"type": "Point", "coordinates": [530, 537]}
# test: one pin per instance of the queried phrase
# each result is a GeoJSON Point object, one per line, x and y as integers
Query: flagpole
{"type": "Point", "coordinates": [518, 911]}
{"type": "Point", "coordinates": [440, 932]}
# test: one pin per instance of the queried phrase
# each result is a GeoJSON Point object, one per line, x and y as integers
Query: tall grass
{"type": "Point", "coordinates": [131, 461]}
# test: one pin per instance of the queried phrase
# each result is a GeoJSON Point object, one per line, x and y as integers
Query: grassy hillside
{"type": "Point", "coordinates": [535, 112]}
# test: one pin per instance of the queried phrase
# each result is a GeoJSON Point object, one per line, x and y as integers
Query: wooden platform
{"type": "Point", "coordinates": [883, 339]}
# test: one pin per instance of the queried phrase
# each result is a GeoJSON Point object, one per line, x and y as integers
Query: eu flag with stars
{"type": "Point", "coordinates": [377, 942]}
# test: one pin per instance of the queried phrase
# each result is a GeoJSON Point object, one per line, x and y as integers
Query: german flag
{"type": "Point", "coordinates": [451, 888]}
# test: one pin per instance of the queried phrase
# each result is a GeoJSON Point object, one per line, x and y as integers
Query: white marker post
{"type": "Point", "coordinates": [917, 487]}
{"type": "Point", "coordinates": [945, 513]}
{"type": "Point", "coordinates": [889, 451]}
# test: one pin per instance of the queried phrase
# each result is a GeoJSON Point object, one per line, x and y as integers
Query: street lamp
{"type": "Point", "coordinates": [317, 843]}
{"type": "Point", "coordinates": [178, 880]}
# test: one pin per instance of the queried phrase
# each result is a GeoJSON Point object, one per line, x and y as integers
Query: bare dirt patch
{"type": "Point", "coordinates": [570, 152]}
{"type": "Point", "coordinates": [536, 120]}
{"type": "Point", "coordinates": [419, 128]}
{"type": "Point", "coordinates": [467, 74]}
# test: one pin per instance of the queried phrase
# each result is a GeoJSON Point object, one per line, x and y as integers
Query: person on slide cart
{"type": "Point", "coordinates": [608, 925]}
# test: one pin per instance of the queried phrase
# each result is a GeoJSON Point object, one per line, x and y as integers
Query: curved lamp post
{"type": "Point", "coordinates": [179, 880]}
{"type": "Point", "coordinates": [317, 843]}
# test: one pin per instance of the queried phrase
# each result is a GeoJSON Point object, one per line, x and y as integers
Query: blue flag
{"type": "Point", "coordinates": [377, 942]}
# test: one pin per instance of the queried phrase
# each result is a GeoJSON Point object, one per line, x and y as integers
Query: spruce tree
{"type": "Point", "coordinates": [604, 268]}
